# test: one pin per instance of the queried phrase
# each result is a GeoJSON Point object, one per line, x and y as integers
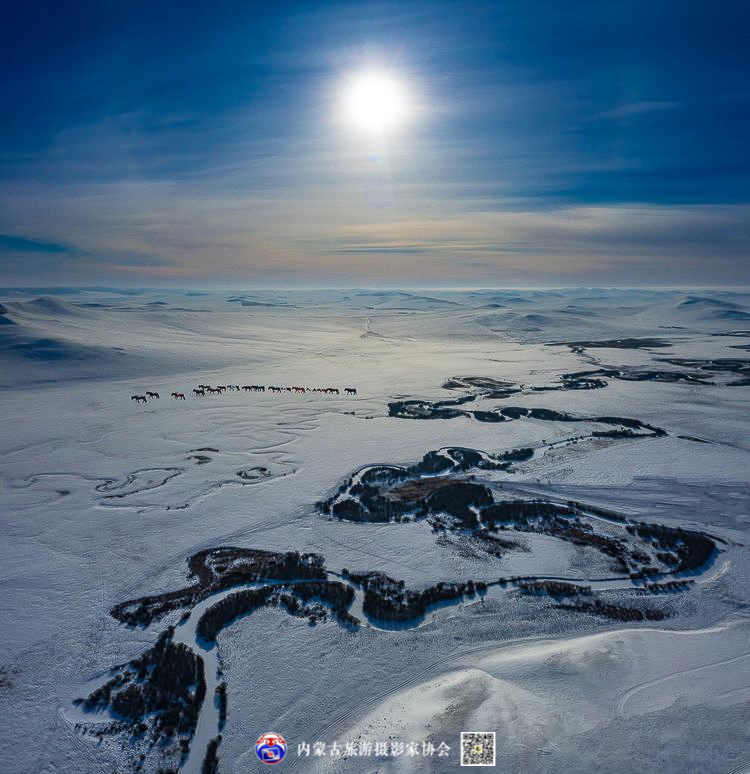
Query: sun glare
{"type": "Point", "coordinates": [375, 102]}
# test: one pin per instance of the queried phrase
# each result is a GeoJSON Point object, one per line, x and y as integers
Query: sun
{"type": "Point", "coordinates": [375, 102]}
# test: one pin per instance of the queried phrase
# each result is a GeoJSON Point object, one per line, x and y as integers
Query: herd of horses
{"type": "Point", "coordinates": [206, 389]}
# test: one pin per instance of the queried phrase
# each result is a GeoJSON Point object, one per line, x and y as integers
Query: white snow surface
{"type": "Point", "coordinates": [103, 499]}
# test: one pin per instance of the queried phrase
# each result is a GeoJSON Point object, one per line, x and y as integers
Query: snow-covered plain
{"type": "Point", "coordinates": [102, 500]}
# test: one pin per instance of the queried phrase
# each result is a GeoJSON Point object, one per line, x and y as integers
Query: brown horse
{"type": "Point", "coordinates": [178, 395]}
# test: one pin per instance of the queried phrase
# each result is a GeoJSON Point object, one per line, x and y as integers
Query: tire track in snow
{"type": "Point", "coordinates": [665, 678]}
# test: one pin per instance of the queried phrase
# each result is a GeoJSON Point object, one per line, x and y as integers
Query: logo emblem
{"type": "Point", "coordinates": [270, 748]}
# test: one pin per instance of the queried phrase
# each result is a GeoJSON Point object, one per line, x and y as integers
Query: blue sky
{"type": "Point", "coordinates": [547, 143]}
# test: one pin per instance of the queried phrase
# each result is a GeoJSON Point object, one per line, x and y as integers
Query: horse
{"type": "Point", "coordinates": [138, 398]}
{"type": "Point", "coordinates": [275, 389]}
{"type": "Point", "coordinates": [178, 395]}
{"type": "Point", "coordinates": [200, 392]}
{"type": "Point", "coordinates": [233, 387]}
{"type": "Point", "coordinates": [214, 390]}
{"type": "Point", "coordinates": [258, 388]}
{"type": "Point", "coordinates": [350, 390]}
{"type": "Point", "coordinates": [220, 387]}
{"type": "Point", "coordinates": [152, 394]}
{"type": "Point", "coordinates": [247, 387]}
{"type": "Point", "coordinates": [298, 389]}
{"type": "Point", "coordinates": [332, 390]}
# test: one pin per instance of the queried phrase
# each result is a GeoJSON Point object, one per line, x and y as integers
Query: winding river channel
{"type": "Point", "coordinates": [186, 632]}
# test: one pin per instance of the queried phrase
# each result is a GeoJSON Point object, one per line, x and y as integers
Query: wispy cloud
{"type": "Point", "coordinates": [607, 244]}
{"type": "Point", "coordinates": [630, 109]}
{"type": "Point", "coordinates": [57, 259]}
{"type": "Point", "coordinates": [18, 244]}
{"type": "Point", "coordinates": [544, 144]}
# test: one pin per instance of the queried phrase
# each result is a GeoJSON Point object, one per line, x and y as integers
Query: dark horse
{"type": "Point", "coordinates": [350, 390]}
{"type": "Point", "coordinates": [199, 392]}
{"type": "Point", "coordinates": [138, 398]}
{"type": "Point", "coordinates": [152, 394]}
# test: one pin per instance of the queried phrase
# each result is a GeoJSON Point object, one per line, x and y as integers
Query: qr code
{"type": "Point", "coordinates": [477, 748]}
